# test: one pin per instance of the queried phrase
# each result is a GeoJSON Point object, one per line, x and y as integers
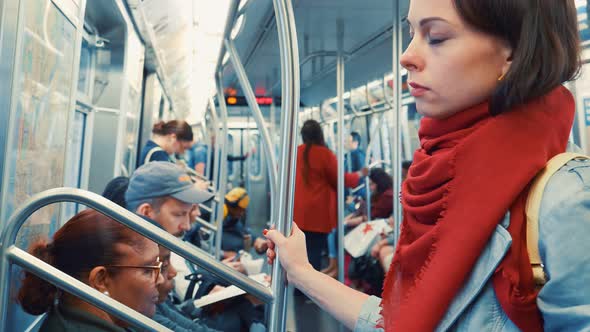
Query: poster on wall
{"type": "Point", "coordinates": [44, 74]}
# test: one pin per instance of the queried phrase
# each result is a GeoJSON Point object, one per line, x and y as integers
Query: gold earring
{"type": "Point", "coordinates": [501, 76]}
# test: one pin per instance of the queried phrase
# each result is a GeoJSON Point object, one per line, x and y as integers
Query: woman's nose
{"type": "Point", "coordinates": [411, 59]}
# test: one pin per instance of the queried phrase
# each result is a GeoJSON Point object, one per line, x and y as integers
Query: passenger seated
{"type": "Point", "coordinates": [115, 190]}
{"type": "Point", "coordinates": [381, 186]}
{"type": "Point", "coordinates": [167, 313]}
{"type": "Point", "coordinates": [236, 236]}
{"type": "Point", "coordinates": [383, 250]}
{"type": "Point", "coordinates": [162, 191]}
{"type": "Point", "coordinates": [103, 254]}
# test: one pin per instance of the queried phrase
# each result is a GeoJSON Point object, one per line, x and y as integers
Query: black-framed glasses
{"type": "Point", "coordinates": [156, 269]}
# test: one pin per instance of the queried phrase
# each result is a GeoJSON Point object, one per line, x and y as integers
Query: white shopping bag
{"type": "Point", "coordinates": [360, 239]}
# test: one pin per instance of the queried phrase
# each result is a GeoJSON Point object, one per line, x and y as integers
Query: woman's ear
{"type": "Point", "coordinates": [507, 56]}
{"type": "Point", "coordinates": [98, 278]}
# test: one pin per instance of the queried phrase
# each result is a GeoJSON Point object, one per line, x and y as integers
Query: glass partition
{"type": "Point", "coordinates": [42, 94]}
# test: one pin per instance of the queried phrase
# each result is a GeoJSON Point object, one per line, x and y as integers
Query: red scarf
{"type": "Point", "coordinates": [470, 170]}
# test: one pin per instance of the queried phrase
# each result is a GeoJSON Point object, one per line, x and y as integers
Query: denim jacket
{"type": "Point", "coordinates": [564, 245]}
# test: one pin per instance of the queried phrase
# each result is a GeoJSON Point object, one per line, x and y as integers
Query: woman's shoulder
{"type": "Point", "coordinates": [316, 150]}
{"type": "Point", "coordinates": [564, 230]}
{"type": "Point", "coordinates": [569, 186]}
{"type": "Point", "coordinates": [71, 319]}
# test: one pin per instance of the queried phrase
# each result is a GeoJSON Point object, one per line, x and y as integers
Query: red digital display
{"type": "Point", "coordinates": [241, 101]}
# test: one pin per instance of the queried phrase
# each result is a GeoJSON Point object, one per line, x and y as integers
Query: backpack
{"type": "Point", "coordinates": [533, 206]}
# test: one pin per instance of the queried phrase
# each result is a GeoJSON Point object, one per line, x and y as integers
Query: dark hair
{"type": "Point", "coordinates": [311, 134]}
{"type": "Point", "coordinates": [545, 43]}
{"type": "Point", "coordinates": [181, 129]}
{"type": "Point", "coordinates": [381, 179]}
{"type": "Point", "coordinates": [356, 137]}
{"type": "Point", "coordinates": [88, 240]}
{"type": "Point", "coordinates": [406, 164]}
{"type": "Point", "coordinates": [115, 190]}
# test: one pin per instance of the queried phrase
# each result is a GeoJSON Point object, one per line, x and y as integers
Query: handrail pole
{"type": "Point", "coordinates": [206, 224]}
{"type": "Point", "coordinates": [214, 147]}
{"type": "Point", "coordinates": [222, 187]}
{"type": "Point", "coordinates": [125, 217]}
{"type": "Point", "coordinates": [266, 140]}
{"type": "Point", "coordinates": [229, 24]}
{"type": "Point", "coordinates": [340, 144]}
{"type": "Point", "coordinates": [367, 159]}
{"type": "Point", "coordinates": [290, 85]}
{"type": "Point", "coordinates": [396, 141]}
{"type": "Point", "coordinates": [208, 140]}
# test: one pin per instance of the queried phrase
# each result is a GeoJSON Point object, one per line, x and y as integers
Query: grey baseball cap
{"type": "Point", "coordinates": [161, 179]}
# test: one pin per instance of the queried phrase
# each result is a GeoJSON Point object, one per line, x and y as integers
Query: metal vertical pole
{"type": "Point", "coordinates": [207, 139]}
{"type": "Point", "coordinates": [290, 110]}
{"type": "Point", "coordinates": [213, 150]}
{"type": "Point", "coordinates": [396, 142]}
{"type": "Point", "coordinates": [340, 144]}
{"type": "Point", "coordinates": [222, 187]}
{"type": "Point", "coordinates": [266, 140]}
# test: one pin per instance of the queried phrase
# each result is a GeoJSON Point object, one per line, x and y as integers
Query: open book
{"type": "Point", "coordinates": [229, 292]}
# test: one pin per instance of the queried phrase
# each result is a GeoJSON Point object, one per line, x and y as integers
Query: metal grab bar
{"type": "Point", "coordinates": [206, 208]}
{"type": "Point", "coordinates": [396, 144]}
{"type": "Point", "coordinates": [355, 190]}
{"type": "Point", "coordinates": [367, 158]}
{"type": "Point", "coordinates": [206, 224]}
{"type": "Point", "coordinates": [290, 85]}
{"type": "Point", "coordinates": [271, 160]}
{"type": "Point", "coordinates": [222, 185]}
{"type": "Point", "coordinates": [128, 219]}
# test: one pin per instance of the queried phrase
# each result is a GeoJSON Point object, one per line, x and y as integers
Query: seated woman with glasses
{"type": "Point", "coordinates": [103, 254]}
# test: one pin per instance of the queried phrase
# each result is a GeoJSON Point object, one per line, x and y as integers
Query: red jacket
{"type": "Point", "coordinates": [316, 205]}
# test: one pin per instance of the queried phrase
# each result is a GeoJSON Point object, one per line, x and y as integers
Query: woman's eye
{"type": "Point", "coordinates": [435, 41]}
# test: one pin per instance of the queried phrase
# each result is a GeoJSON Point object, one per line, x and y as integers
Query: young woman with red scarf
{"type": "Point", "coordinates": [461, 261]}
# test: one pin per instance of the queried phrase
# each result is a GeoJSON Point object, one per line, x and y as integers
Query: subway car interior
{"type": "Point", "coordinates": [87, 82]}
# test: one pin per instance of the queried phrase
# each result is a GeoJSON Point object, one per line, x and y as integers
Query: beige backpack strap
{"type": "Point", "coordinates": [533, 206]}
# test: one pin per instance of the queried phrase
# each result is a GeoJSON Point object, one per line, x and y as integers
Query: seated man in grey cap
{"type": "Point", "coordinates": [164, 192]}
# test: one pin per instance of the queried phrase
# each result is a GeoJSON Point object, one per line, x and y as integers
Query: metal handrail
{"type": "Point", "coordinates": [367, 158]}
{"type": "Point", "coordinates": [356, 189]}
{"type": "Point", "coordinates": [290, 85]}
{"type": "Point", "coordinates": [266, 141]}
{"type": "Point", "coordinates": [197, 256]}
{"type": "Point", "coordinates": [222, 187]}
{"type": "Point", "coordinates": [396, 156]}
{"type": "Point", "coordinates": [206, 224]}
{"type": "Point", "coordinates": [229, 24]}
{"type": "Point", "coordinates": [340, 156]}
{"type": "Point", "coordinates": [211, 174]}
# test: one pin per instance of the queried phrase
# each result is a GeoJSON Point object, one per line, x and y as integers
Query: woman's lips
{"type": "Point", "coordinates": [417, 90]}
